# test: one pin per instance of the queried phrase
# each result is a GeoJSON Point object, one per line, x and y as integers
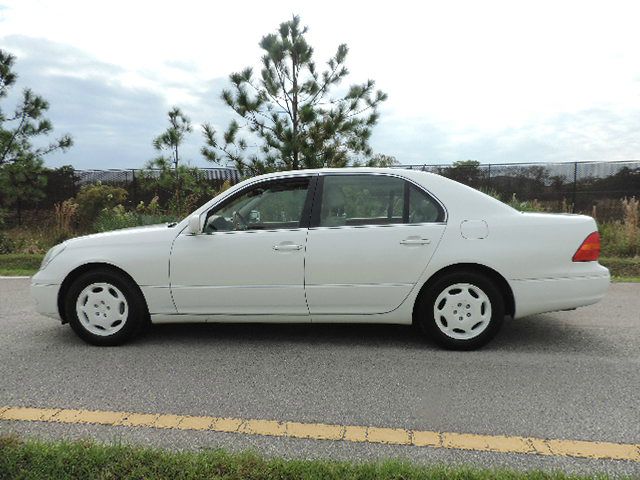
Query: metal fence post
{"type": "Point", "coordinates": [134, 189]}
{"type": "Point", "coordinates": [575, 186]}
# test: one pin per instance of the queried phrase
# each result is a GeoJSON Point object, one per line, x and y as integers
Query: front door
{"type": "Point", "coordinates": [250, 258]}
{"type": "Point", "coordinates": [371, 237]}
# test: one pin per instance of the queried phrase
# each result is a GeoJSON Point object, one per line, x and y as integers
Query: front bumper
{"type": "Point", "coordinates": [46, 298]}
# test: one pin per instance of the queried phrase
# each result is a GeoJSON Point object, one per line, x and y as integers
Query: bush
{"type": "Point", "coordinates": [181, 190]}
{"type": "Point", "coordinates": [92, 199]}
{"type": "Point", "coordinates": [7, 245]}
{"type": "Point", "coordinates": [622, 239]}
{"type": "Point", "coordinates": [118, 217]}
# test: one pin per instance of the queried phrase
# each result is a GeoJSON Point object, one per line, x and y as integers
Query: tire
{"type": "Point", "coordinates": [105, 308]}
{"type": "Point", "coordinates": [462, 310]}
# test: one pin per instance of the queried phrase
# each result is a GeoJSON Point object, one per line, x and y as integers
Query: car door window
{"type": "Point", "coordinates": [351, 200]}
{"type": "Point", "coordinates": [356, 200]}
{"type": "Point", "coordinates": [269, 205]}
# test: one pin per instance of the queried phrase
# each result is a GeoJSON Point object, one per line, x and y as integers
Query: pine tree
{"type": "Point", "coordinates": [27, 122]}
{"type": "Point", "coordinates": [173, 136]}
{"type": "Point", "coordinates": [289, 118]}
{"type": "Point", "coordinates": [22, 177]}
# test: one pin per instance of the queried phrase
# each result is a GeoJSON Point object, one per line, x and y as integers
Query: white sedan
{"type": "Point", "coordinates": [358, 245]}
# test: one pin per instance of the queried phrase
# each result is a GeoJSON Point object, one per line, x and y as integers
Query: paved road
{"type": "Point", "coordinates": [569, 375]}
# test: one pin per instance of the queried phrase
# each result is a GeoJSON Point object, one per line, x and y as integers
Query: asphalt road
{"type": "Point", "coordinates": [569, 375]}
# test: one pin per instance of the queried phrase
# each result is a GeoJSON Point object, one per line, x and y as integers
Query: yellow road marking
{"type": "Point", "coordinates": [322, 431]}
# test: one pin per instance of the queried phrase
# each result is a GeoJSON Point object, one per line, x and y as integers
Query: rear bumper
{"type": "Point", "coordinates": [534, 296]}
{"type": "Point", "coordinates": [46, 298]}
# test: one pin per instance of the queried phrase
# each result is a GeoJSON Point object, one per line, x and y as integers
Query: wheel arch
{"type": "Point", "coordinates": [496, 277]}
{"type": "Point", "coordinates": [87, 267]}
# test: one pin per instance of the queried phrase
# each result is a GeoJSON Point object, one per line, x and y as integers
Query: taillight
{"type": "Point", "coordinates": [589, 251]}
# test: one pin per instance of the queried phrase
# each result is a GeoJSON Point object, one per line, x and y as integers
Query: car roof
{"type": "Point", "coordinates": [341, 171]}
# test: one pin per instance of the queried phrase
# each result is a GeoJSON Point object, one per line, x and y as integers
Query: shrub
{"type": "Point", "coordinates": [7, 245]}
{"type": "Point", "coordinates": [622, 239]}
{"type": "Point", "coordinates": [118, 217]}
{"type": "Point", "coordinates": [526, 205]}
{"type": "Point", "coordinates": [65, 214]}
{"type": "Point", "coordinates": [114, 219]}
{"type": "Point", "coordinates": [92, 199]}
{"type": "Point", "coordinates": [631, 209]}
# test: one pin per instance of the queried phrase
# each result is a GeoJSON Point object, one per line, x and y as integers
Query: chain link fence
{"type": "Point", "coordinates": [577, 187]}
{"type": "Point", "coordinates": [594, 188]}
{"type": "Point", "coordinates": [64, 183]}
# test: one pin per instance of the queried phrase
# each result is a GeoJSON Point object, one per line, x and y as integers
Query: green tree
{"type": "Point", "coordinates": [379, 160]}
{"type": "Point", "coordinates": [174, 135]}
{"type": "Point", "coordinates": [291, 116]}
{"type": "Point", "coordinates": [22, 184]}
{"type": "Point", "coordinates": [465, 171]}
{"type": "Point", "coordinates": [21, 166]}
{"type": "Point", "coordinates": [25, 123]}
{"type": "Point", "coordinates": [171, 140]}
{"type": "Point", "coordinates": [180, 189]}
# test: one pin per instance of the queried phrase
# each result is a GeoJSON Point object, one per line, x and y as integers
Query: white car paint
{"type": "Point", "coordinates": [338, 274]}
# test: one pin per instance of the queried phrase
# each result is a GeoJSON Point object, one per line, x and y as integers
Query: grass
{"type": "Point", "coordinates": [622, 267]}
{"type": "Point", "coordinates": [33, 459]}
{"type": "Point", "coordinates": [16, 264]}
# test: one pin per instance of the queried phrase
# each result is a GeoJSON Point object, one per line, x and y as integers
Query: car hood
{"type": "Point", "coordinates": [124, 235]}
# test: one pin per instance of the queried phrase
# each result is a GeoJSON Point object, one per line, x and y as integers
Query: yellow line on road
{"type": "Point", "coordinates": [322, 431]}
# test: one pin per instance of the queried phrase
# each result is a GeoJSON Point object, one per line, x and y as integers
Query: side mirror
{"type": "Point", "coordinates": [194, 228]}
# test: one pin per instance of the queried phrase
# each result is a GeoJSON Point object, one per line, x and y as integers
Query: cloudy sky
{"type": "Point", "coordinates": [497, 82]}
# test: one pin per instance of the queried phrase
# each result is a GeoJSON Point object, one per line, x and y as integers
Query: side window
{"type": "Point", "coordinates": [267, 206]}
{"type": "Point", "coordinates": [352, 200]}
{"type": "Point", "coordinates": [349, 200]}
{"type": "Point", "coordinates": [423, 208]}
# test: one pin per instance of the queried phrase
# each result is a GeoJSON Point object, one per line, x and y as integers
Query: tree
{"type": "Point", "coordinates": [27, 122]}
{"type": "Point", "coordinates": [465, 171]}
{"type": "Point", "coordinates": [21, 166]}
{"type": "Point", "coordinates": [181, 189]}
{"type": "Point", "coordinates": [173, 137]}
{"type": "Point", "coordinates": [22, 183]}
{"type": "Point", "coordinates": [379, 160]}
{"type": "Point", "coordinates": [289, 118]}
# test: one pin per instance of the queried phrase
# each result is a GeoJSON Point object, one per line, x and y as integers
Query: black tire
{"type": "Point", "coordinates": [137, 314]}
{"type": "Point", "coordinates": [425, 319]}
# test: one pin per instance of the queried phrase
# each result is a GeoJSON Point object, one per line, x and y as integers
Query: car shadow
{"type": "Point", "coordinates": [541, 333]}
{"type": "Point", "coordinates": [327, 334]}
{"type": "Point", "coordinates": [548, 333]}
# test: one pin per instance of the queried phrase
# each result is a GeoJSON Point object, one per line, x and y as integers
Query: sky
{"type": "Point", "coordinates": [497, 82]}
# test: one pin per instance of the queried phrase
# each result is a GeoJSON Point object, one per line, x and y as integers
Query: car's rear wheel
{"type": "Point", "coordinates": [105, 308]}
{"type": "Point", "coordinates": [461, 310]}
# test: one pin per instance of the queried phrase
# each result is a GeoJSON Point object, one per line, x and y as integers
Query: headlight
{"type": "Point", "coordinates": [52, 253]}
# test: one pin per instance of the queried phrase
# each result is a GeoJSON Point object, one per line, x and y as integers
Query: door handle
{"type": "Point", "coordinates": [415, 241]}
{"type": "Point", "coordinates": [287, 247]}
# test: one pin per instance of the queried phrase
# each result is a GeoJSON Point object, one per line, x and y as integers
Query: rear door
{"type": "Point", "coordinates": [371, 237]}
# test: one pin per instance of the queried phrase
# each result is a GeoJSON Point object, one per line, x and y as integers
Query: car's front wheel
{"type": "Point", "coordinates": [461, 310]}
{"type": "Point", "coordinates": [105, 308]}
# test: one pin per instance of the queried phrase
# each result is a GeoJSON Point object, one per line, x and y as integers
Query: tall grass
{"type": "Point", "coordinates": [88, 460]}
{"type": "Point", "coordinates": [623, 238]}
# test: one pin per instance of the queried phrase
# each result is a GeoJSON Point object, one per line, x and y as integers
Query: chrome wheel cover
{"type": "Point", "coordinates": [462, 311]}
{"type": "Point", "coordinates": [102, 309]}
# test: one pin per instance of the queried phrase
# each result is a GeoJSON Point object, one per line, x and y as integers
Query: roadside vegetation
{"type": "Point", "coordinates": [33, 459]}
{"type": "Point", "coordinates": [620, 238]}
{"type": "Point", "coordinates": [100, 208]}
